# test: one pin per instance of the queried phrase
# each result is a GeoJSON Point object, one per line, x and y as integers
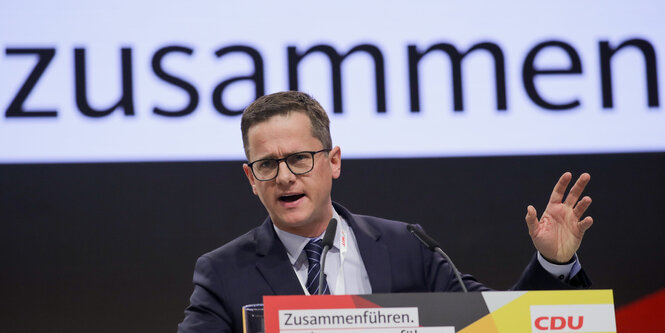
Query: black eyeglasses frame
{"type": "Point", "coordinates": [279, 161]}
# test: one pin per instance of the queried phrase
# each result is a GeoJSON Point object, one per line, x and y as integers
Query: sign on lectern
{"type": "Point", "coordinates": [478, 312]}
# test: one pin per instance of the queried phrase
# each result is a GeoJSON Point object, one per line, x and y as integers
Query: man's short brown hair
{"type": "Point", "coordinates": [283, 103]}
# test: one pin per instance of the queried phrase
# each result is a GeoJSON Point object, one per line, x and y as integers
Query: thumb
{"type": "Point", "coordinates": [531, 218]}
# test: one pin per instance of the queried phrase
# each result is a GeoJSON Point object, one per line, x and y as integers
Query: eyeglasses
{"type": "Point", "coordinates": [298, 163]}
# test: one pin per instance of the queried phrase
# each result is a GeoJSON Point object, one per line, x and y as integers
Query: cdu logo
{"type": "Point", "coordinates": [559, 323]}
{"type": "Point", "coordinates": [573, 318]}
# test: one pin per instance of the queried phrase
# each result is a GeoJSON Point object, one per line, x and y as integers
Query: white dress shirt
{"type": "Point", "coordinates": [355, 280]}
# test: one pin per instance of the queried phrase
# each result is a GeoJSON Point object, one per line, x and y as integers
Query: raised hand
{"type": "Point", "coordinates": [558, 234]}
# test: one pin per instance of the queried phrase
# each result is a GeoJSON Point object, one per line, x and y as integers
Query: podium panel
{"type": "Point", "coordinates": [478, 312]}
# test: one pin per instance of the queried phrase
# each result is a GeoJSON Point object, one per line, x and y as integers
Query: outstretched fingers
{"type": "Point", "coordinates": [560, 188]}
{"type": "Point", "coordinates": [582, 206]}
{"type": "Point", "coordinates": [577, 190]}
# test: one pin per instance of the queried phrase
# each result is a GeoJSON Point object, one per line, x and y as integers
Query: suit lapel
{"type": "Point", "coordinates": [273, 263]}
{"type": "Point", "coordinates": [373, 252]}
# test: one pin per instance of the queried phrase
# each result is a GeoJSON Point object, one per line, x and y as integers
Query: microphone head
{"type": "Point", "coordinates": [411, 228]}
{"type": "Point", "coordinates": [329, 236]}
{"type": "Point", "coordinates": [422, 236]}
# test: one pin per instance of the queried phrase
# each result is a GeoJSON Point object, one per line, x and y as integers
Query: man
{"type": "Point", "coordinates": [292, 164]}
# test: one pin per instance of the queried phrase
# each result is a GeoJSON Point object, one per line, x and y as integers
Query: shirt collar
{"type": "Point", "coordinates": [295, 244]}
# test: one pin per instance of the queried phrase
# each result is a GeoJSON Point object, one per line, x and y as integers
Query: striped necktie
{"type": "Point", "coordinates": [313, 251]}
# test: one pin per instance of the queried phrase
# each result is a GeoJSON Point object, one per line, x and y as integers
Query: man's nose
{"type": "Point", "coordinates": [284, 174]}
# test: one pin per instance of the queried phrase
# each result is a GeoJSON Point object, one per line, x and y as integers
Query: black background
{"type": "Point", "coordinates": [111, 247]}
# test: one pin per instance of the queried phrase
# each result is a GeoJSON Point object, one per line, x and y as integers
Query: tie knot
{"type": "Point", "coordinates": [313, 250]}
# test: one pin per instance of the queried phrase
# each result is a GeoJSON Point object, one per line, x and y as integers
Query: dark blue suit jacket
{"type": "Point", "coordinates": [256, 264]}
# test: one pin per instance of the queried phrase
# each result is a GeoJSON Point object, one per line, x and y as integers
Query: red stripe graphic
{"type": "Point", "coordinates": [643, 315]}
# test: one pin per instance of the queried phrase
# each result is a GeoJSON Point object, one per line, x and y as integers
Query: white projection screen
{"type": "Point", "coordinates": [92, 81]}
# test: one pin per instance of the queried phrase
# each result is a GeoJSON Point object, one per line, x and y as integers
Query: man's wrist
{"type": "Point", "coordinates": [554, 262]}
{"type": "Point", "coordinates": [561, 272]}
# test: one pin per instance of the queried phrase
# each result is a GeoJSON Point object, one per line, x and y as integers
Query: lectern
{"type": "Point", "coordinates": [476, 312]}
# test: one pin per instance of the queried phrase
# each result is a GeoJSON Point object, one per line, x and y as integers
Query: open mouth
{"type": "Point", "coordinates": [291, 198]}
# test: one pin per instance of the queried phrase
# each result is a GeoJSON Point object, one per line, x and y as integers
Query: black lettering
{"type": "Point", "coordinates": [15, 108]}
{"type": "Point", "coordinates": [336, 60]}
{"type": "Point", "coordinates": [287, 322]}
{"type": "Point", "coordinates": [529, 73]}
{"type": "Point", "coordinates": [257, 77]}
{"type": "Point", "coordinates": [607, 52]}
{"type": "Point", "coordinates": [414, 57]}
{"type": "Point", "coordinates": [174, 80]}
{"type": "Point", "coordinates": [126, 101]}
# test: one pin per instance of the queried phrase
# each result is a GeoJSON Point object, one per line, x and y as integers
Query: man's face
{"type": "Point", "coordinates": [299, 204]}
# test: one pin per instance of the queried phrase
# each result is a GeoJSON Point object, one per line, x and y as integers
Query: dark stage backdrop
{"type": "Point", "coordinates": [111, 247]}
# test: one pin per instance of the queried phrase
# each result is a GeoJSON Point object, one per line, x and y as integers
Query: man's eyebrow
{"type": "Point", "coordinates": [270, 157]}
{"type": "Point", "coordinates": [273, 157]}
{"type": "Point", "coordinates": [264, 158]}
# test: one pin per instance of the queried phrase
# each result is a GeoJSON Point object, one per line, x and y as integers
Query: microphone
{"type": "Point", "coordinates": [327, 243]}
{"type": "Point", "coordinates": [431, 244]}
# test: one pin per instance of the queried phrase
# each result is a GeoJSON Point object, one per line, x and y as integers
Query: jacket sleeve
{"type": "Point", "coordinates": [206, 312]}
{"type": "Point", "coordinates": [535, 277]}
{"type": "Point", "coordinates": [441, 277]}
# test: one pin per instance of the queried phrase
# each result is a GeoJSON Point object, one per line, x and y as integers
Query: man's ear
{"type": "Point", "coordinates": [250, 177]}
{"type": "Point", "coordinates": [335, 157]}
